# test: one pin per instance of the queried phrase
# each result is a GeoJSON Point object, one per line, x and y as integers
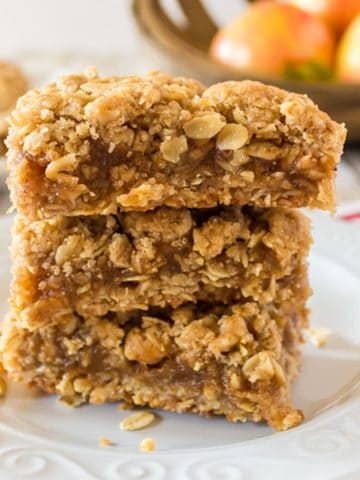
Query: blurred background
{"type": "Point", "coordinates": [309, 46]}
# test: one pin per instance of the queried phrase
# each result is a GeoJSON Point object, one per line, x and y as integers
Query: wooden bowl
{"type": "Point", "coordinates": [187, 45]}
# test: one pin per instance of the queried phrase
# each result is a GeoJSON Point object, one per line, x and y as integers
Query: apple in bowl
{"type": "Point", "coordinates": [347, 65]}
{"type": "Point", "coordinates": [276, 39]}
{"type": "Point", "coordinates": [336, 13]}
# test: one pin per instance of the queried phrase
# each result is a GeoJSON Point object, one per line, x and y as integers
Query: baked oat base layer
{"type": "Point", "coordinates": [236, 361]}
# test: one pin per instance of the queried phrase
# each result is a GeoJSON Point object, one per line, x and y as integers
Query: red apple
{"type": "Point", "coordinates": [275, 39]}
{"type": "Point", "coordinates": [348, 54]}
{"type": "Point", "coordinates": [337, 13]}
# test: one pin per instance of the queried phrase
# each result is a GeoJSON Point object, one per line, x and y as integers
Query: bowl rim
{"type": "Point", "coordinates": [170, 42]}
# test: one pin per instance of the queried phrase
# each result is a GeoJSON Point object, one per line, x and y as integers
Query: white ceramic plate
{"type": "Point", "coordinates": [42, 439]}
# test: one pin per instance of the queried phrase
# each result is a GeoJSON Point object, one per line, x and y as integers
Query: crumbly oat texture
{"type": "Point", "coordinates": [236, 360]}
{"type": "Point", "coordinates": [98, 265]}
{"type": "Point", "coordinates": [88, 145]}
{"type": "Point", "coordinates": [156, 259]}
{"type": "Point", "coordinates": [13, 84]}
{"type": "Point", "coordinates": [172, 352]}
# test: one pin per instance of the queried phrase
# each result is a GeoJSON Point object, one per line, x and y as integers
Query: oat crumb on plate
{"type": "Point", "coordinates": [318, 335]}
{"type": "Point", "coordinates": [147, 445]}
{"type": "Point", "coordinates": [105, 442]}
{"type": "Point", "coordinates": [137, 421]}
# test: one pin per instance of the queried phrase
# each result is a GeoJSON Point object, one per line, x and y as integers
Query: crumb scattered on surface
{"type": "Point", "coordinates": [318, 335]}
{"type": "Point", "coordinates": [293, 419]}
{"type": "Point", "coordinates": [105, 442]}
{"type": "Point", "coordinates": [147, 445]}
{"type": "Point", "coordinates": [137, 421]}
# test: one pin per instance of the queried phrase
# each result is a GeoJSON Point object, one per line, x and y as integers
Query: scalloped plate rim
{"type": "Point", "coordinates": [325, 228]}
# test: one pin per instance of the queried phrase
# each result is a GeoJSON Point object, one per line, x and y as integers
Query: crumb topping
{"type": "Point", "coordinates": [87, 144]}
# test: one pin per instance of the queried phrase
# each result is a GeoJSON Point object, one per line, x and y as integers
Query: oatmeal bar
{"type": "Point", "coordinates": [97, 265]}
{"type": "Point", "coordinates": [88, 145]}
{"type": "Point", "coordinates": [236, 360]}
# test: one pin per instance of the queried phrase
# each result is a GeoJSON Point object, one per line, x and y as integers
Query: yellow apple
{"type": "Point", "coordinates": [337, 13]}
{"type": "Point", "coordinates": [276, 39]}
{"type": "Point", "coordinates": [348, 54]}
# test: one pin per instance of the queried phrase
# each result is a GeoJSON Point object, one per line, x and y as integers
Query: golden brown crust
{"type": "Point", "coordinates": [90, 145]}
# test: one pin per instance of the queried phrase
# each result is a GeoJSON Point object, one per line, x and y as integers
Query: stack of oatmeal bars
{"type": "Point", "coordinates": [157, 254]}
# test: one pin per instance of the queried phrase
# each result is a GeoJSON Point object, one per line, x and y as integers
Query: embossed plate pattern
{"type": "Point", "coordinates": [41, 439]}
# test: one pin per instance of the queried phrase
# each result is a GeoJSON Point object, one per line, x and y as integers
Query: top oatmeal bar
{"type": "Point", "coordinates": [90, 145]}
